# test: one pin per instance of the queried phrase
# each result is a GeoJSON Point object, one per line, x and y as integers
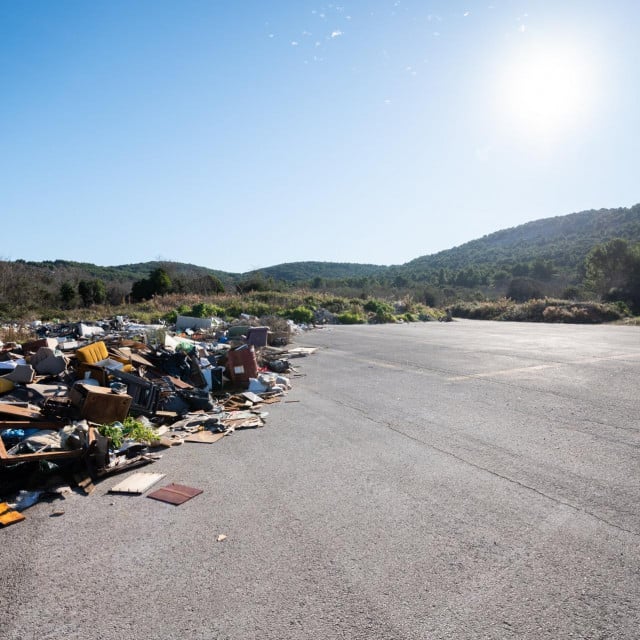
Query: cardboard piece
{"type": "Point", "coordinates": [175, 493]}
{"type": "Point", "coordinates": [207, 437]}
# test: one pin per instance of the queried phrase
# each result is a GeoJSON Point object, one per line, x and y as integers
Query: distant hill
{"type": "Point", "coordinates": [551, 250]}
{"type": "Point", "coordinates": [565, 240]}
{"type": "Point", "coordinates": [304, 271]}
{"type": "Point", "coordinates": [126, 271]}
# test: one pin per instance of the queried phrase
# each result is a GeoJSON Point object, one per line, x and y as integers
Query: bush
{"type": "Point", "coordinates": [300, 315]}
{"type": "Point", "coordinates": [171, 317]}
{"type": "Point", "coordinates": [545, 310]}
{"type": "Point", "coordinates": [233, 310]}
{"type": "Point", "coordinates": [336, 305]}
{"type": "Point", "coordinates": [205, 310]}
{"type": "Point", "coordinates": [571, 293]}
{"type": "Point", "coordinates": [523, 289]}
{"type": "Point", "coordinates": [351, 317]}
{"type": "Point", "coordinates": [377, 307]}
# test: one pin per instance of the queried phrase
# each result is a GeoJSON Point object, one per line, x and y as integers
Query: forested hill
{"type": "Point", "coordinates": [564, 240]}
{"type": "Point", "coordinates": [304, 271]}
{"type": "Point", "coordinates": [548, 249]}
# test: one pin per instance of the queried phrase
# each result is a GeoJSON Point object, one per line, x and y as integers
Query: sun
{"type": "Point", "coordinates": [547, 91]}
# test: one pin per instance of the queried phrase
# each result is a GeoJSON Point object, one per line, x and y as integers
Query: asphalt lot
{"type": "Point", "coordinates": [463, 480]}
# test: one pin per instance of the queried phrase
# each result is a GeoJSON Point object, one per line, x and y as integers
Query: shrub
{"type": "Point", "coordinates": [571, 293]}
{"type": "Point", "coordinates": [351, 317]}
{"type": "Point", "coordinates": [257, 308]}
{"type": "Point", "coordinates": [377, 307]}
{"type": "Point", "coordinates": [300, 315]}
{"type": "Point", "coordinates": [522, 289]}
{"type": "Point", "coordinates": [233, 310]}
{"type": "Point", "coordinates": [545, 310]}
{"type": "Point", "coordinates": [336, 305]}
{"type": "Point", "coordinates": [171, 317]}
{"type": "Point", "coordinates": [205, 310]}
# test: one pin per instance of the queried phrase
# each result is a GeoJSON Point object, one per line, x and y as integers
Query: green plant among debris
{"type": "Point", "coordinates": [113, 432]}
{"type": "Point", "coordinates": [135, 430]}
{"type": "Point", "coordinates": [129, 429]}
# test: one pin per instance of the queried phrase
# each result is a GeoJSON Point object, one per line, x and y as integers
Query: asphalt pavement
{"type": "Point", "coordinates": [463, 480]}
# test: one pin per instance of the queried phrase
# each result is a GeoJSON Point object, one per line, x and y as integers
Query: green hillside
{"type": "Point", "coordinates": [551, 252]}
{"type": "Point", "coordinates": [565, 240]}
{"type": "Point", "coordinates": [296, 272]}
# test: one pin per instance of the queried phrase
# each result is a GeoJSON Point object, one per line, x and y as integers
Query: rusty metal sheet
{"type": "Point", "coordinates": [175, 493]}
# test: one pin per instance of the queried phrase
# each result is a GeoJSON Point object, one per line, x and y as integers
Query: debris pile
{"type": "Point", "coordinates": [84, 401]}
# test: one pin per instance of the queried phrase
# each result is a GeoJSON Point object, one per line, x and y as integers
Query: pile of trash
{"type": "Point", "coordinates": [83, 401]}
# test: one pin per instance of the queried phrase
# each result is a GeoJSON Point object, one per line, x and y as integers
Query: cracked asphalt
{"type": "Point", "coordinates": [459, 480]}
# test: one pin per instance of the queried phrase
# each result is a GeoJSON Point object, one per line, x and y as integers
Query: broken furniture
{"type": "Point", "coordinates": [95, 358]}
{"type": "Point", "coordinates": [100, 404]}
{"type": "Point", "coordinates": [242, 365]}
{"type": "Point", "coordinates": [143, 393]}
{"type": "Point", "coordinates": [257, 336]}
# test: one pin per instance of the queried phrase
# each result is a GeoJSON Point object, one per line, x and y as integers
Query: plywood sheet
{"type": "Point", "coordinates": [19, 412]}
{"type": "Point", "coordinates": [137, 483]}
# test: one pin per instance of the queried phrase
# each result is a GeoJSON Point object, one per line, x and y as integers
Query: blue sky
{"type": "Point", "coordinates": [239, 135]}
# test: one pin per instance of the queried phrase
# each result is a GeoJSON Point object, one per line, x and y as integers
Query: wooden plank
{"type": "Point", "coordinates": [252, 397]}
{"type": "Point", "coordinates": [3, 451]}
{"type": "Point", "coordinates": [138, 483]}
{"type": "Point", "coordinates": [245, 423]}
{"type": "Point", "coordinates": [137, 359]}
{"type": "Point", "coordinates": [84, 482]}
{"type": "Point", "coordinates": [19, 412]}
{"type": "Point", "coordinates": [42, 455]}
{"type": "Point", "coordinates": [178, 383]}
{"type": "Point", "coordinates": [29, 424]}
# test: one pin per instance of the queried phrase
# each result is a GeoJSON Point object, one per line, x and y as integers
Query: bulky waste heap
{"type": "Point", "coordinates": [84, 401]}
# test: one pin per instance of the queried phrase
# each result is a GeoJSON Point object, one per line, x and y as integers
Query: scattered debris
{"type": "Point", "coordinates": [84, 401]}
{"type": "Point", "coordinates": [8, 515]}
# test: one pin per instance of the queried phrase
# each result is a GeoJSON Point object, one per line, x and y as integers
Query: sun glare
{"type": "Point", "coordinates": [547, 92]}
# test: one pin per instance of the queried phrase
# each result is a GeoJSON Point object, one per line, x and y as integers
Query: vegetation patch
{"type": "Point", "coordinates": [542, 310]}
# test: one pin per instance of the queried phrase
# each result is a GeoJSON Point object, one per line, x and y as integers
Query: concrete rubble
{"type": "Point", "coordinates": [87, 400]}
